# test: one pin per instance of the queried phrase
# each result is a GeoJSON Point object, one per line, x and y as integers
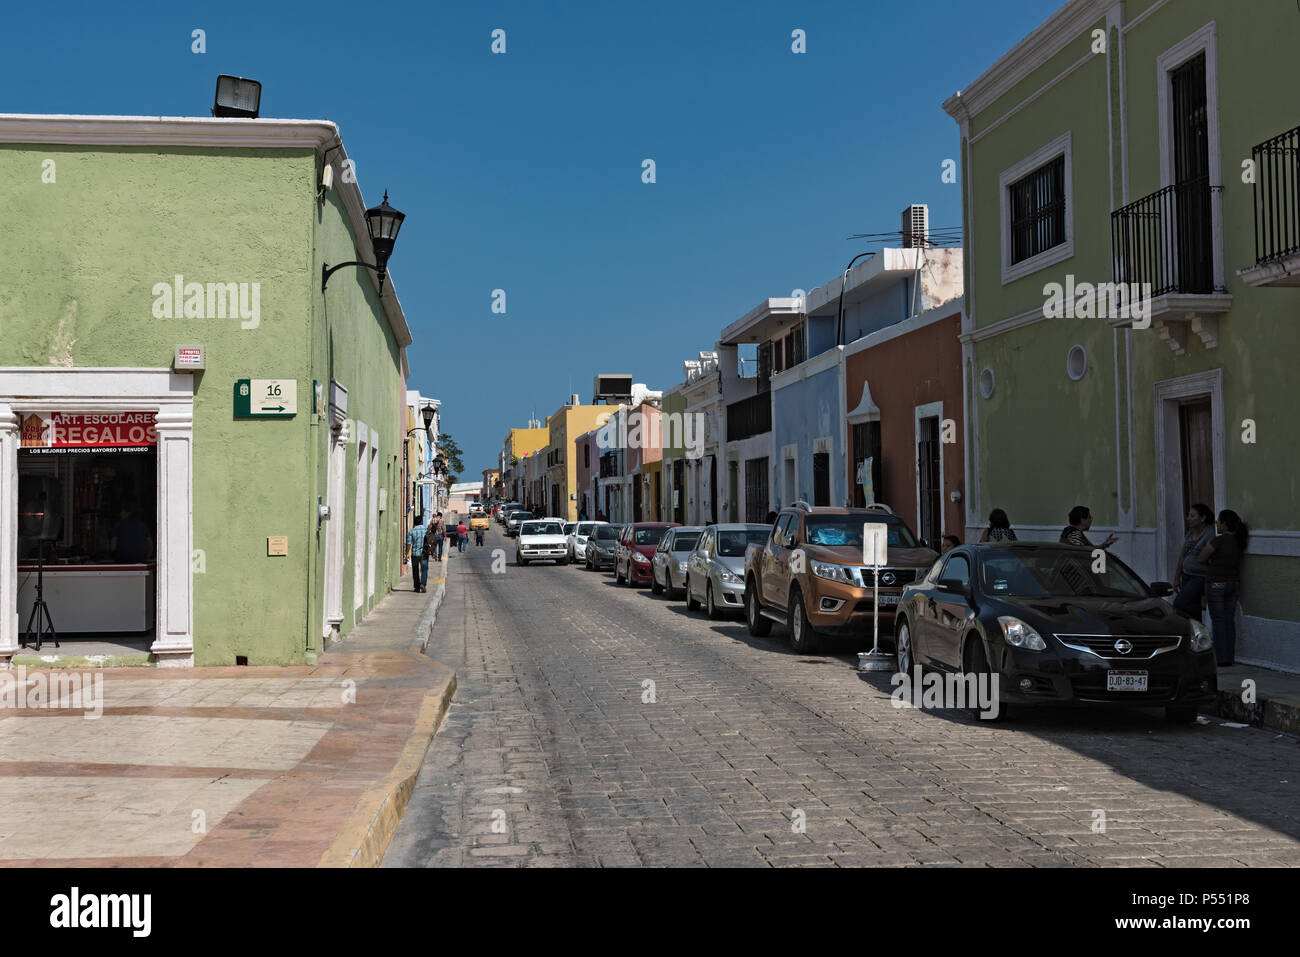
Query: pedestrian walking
{"type": "Point", "coordinates": [478, 536]}
{"type": "Point", "coordinates": [434, 533]}
{"type": "Point", "coordinates": [999, 529]}
{"type": "Point", "coordinates": [1222, 560]}
{"type": "Point", "coordinates": [1189, 574]}
{"type": "Point", "coordinates": [462, 536]}
{"type": "Point", "coordinates": [415, 549]}
{"type": "Point", "coordinates": [1080, 522]}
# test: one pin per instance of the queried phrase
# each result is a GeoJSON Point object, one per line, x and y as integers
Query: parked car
{"type": "Point", "coordinates": [578, 540]}
{"type": "Point", "coordinates": [668, 566]}
{"type": "Point", "coordinates": [541, 540]}
{"type": "Point", "coordinates": [636, 546]}
{"type": "Point", "coordinates": [1053, 630]}
{"type": "Point", "coordinates": [601, 544]}
{"type": "Point", "coordinates": [504, 511]}
{"type": "Point", "coordinates": [715, 570]}
{"type": "Point", "coordinates": [514, 518]}
{"type": "Point", "coordinates": [809, 574]}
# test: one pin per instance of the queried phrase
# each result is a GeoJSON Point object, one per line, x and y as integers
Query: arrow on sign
{"type": "Point", "coordinates": [272, 408]}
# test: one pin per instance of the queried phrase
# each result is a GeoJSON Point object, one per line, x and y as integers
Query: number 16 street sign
{"type": "Point", "coordinates": [266, 398]}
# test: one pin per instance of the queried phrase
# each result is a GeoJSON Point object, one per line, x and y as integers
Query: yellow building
{"type": "Point", "coordinates": [517, 444]}
{"type": "Point", "coordinates": [560, 463]}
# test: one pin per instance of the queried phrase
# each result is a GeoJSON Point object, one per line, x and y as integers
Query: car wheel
{"type": "Point", "coordinates": [691, 602]}
{"type": "Point", "coordinates": [655, 587]}
{"type": "Point", "coordinates": [803, 637]}
{"type": "Point", "coordinates": [759, 626]}
{"type": "Point", "coordinates": [978, 665]}
{"type": "Point", "coordinates": [1180, 715]}
{"type": "Point", "coordinates": [904, 654]}
{"type": "Point", "coordinates": [520, 559]}
{"type": "Point", "coordinates": [714, 611]}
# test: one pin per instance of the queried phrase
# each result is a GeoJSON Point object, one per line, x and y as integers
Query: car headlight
{"type": "Point", "coordinates": [835, 573]}
{"type": "Point", "coordinates": [1202, 639]}
{"type": "Point", "coordinates": [638, 557]}
{"type": "Point", "coordinates": [727, 575]}
{"type": "Point", "coordinates": [1020, 635]}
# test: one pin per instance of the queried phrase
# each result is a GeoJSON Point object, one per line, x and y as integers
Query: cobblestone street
{"type": "Point", "coordinates": [555, 753]}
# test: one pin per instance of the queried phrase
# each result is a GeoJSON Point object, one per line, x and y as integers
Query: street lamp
{"type": "Point", "coordinates": [844, 281]}
{"type": "Point", "coordinates": [427, 414]}
{"type": "Point", "coordinates": [383, 223]}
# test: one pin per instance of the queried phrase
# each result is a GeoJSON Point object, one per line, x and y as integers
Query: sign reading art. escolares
{"type": "Point", "coordinates": [266, 398]}
{"type": "Point", "coordinates": [56, 432]}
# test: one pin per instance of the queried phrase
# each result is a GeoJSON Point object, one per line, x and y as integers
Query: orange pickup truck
{"type": "Point", "coordinates": [809, 574]}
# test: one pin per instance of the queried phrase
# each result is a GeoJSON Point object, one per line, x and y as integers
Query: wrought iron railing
{"type": "Point", "coordinates": [1166, 240]}
{"type": "Point", "coordinates": [1277, 196]}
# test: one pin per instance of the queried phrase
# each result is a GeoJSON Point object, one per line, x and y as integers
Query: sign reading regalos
{"type": "Point", "coordinates": [88, 431]}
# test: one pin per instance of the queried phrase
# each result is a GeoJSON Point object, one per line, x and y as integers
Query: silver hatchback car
{"type": "Point", "coordinates": [715, 570]}
{"type": "Point", "coordinates": [668, 566]}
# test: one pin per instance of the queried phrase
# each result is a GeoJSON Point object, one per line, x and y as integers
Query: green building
{"type": "Point", "coordinates": [199, 447]}
{"type": "Point", "coordinates": [1152, 144]}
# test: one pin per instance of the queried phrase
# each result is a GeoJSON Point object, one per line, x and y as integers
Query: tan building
{"type": "Point", "coordinates": [517, 444]}
{"type": "Point", "coordinates": [560, 462]}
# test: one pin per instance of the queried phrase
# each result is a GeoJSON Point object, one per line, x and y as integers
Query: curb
{"type": "Point", "coordinates": [1277, 714]}
{"type": "Point", "coordinates": [362, 841]}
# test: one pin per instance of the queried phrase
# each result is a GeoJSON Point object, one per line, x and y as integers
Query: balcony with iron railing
{"type": "Point", "coordinates": [1276, 202]}
{"type": "Point", "coordinates": [1163, 252]}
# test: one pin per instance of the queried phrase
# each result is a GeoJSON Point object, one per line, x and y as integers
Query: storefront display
{"type": "Point", "coordinates": [86, 495]}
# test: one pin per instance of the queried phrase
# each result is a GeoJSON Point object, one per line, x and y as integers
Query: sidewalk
{"type": "Point", "coordinates": [1277, 698]}
{"type": "Point", "coordinates": [229, 767]}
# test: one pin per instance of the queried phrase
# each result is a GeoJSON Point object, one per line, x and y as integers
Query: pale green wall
{"type": "Point", "coordinates": [77, 289]}
{"type": "Point", "coordinates": [1045, 441]}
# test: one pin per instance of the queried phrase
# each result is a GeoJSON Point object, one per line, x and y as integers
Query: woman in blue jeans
{"type": "Point", "coordinates": [1222, 560]}
{"type": "Point", "coordinates": [1189, 575]}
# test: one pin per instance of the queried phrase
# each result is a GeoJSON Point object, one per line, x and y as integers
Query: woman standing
{"type": "Point", "coordinates": [999, 529]}
{"type": "Point", "coordinates": [1189, 576]}
{"type": "Point", "coordinates": [1222, 560]}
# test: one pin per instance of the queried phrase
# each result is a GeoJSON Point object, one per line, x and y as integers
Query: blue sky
{"type": "Point", "coordinates": [522, 171]}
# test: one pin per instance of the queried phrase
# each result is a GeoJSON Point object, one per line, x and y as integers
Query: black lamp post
{"type": "Point", "coordinates": [383, 223]}
{"type": "Point", "coordinates": [844, 281]}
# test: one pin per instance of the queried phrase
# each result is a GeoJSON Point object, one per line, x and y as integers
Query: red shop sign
{"type": "Point", "coordinates": [88, 430]}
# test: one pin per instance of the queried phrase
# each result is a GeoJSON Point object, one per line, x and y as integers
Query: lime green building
{"type": "Point", "coordinates": [1131, 207]}
{"type": "Point", "coordinates": [199, 445]}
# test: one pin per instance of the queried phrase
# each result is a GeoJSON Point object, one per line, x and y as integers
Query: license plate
{"type": "Point", "coordinates": [1126, 681]}
{"type": "Point", "coordinates": [889, 600]}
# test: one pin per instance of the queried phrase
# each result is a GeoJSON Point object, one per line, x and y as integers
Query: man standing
{"type": "Point", "coordinates": [415, 548]}
{"type": "Point", "coordinates": [436, 531]}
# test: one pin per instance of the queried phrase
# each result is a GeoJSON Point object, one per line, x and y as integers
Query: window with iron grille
{"type": "Point", "coordinates": [866, 445]}
{"type": "Point", "coordinates": [1037, 208]}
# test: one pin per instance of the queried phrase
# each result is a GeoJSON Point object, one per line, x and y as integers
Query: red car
{"type": "Point", "coordinates": [636, 547]}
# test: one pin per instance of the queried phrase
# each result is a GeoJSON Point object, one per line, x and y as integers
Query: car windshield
{"type": "Point", "coordinates": [1057, 572]}
{"type": "Point", "coordinates": [569, 527]}
{"type": "Point", "coordinates": [520, 516]}
{"type": "Point", "coordinates": [685, 542]}
{"type": "Point", "coordinates": [647, 536]}
{"type": "Point", "coordinates": [584, 528]}
{"type": "Point", "coordinates": [840, 530]}
{"type": "Point", "coordinates": [732, 542]}
{"type": "Point", "coordinates": [541, 528]}
{"type": "Point", "coordinates": [605, 532]}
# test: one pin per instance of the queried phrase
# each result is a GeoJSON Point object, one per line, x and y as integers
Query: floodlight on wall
{"type": "Point", "coordinates": [383, 223]}
{"type": "Point", "coordinates": [237, 96]}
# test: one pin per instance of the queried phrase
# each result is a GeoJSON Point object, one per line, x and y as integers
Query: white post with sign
{"type": "Point", "coordinates": [875, 552]}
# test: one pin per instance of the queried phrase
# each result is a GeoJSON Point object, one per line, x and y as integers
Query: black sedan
{"type": "Point", "coordinates": [1055, 624]}
{"type": "Point", "coordinates": [601, 544]}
